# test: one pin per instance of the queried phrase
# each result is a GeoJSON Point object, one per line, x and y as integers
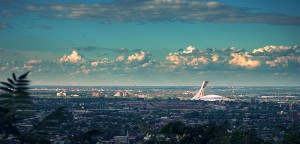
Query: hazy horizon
{"type": "Point", "coordinates": [151, 42]}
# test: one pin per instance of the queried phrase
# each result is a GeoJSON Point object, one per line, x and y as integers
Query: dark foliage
{"type": "Point", "coordinates": [13, 104]}
{"type": "Point", "coordinates": [85, 138]}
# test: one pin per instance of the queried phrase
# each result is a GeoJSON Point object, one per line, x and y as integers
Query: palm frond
{"type": "Point", "coordinates": [14, 77]}
{"type": "Point", "coordinates": [23, 76]}
{"type": "Point", "coordinates": [8, 85]}
{"type": "Point", "coordinates": [11, 81]}
{"type": "Point", "coordinates": [6, 90]}
{"type": "Point", "coordinates": [21, 84]}
{"type": "Point", "coordinates": [23, 81]}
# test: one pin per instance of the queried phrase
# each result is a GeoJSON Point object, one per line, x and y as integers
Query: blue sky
{"type": "Point", "coordinates": [151, 42]}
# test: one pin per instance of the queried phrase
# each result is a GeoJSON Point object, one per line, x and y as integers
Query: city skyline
{"type": "Point", "coordinates": [151, 42]}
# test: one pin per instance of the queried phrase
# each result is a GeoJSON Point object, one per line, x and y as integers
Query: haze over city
{"type": "Point", "coordinates": [151, 42]}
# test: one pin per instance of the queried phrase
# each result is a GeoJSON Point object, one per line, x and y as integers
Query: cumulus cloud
{"type": "Point", "coordinates": [196, 61]}
{"type": "Point", "coordinates": [3, 68]}
{"type": "Point", "coordinates": [192, 58]}
{"type": "Point", "coordinates": [284, 61]}
{"type": "Point", "coordinates": [273, 50]}
{"type": "Point", "coordinates": [84, 70]}
{"type": "Point", "coordinates": [15, 68]}
{"type": "Point", "coordinates": [29, 67]}
{"type": "Point", "coordinates": [189, 50]}
{"type": "Point", "coordinates": [215, 58]}
{"type": "Point", "coordinates": [72, 58]}
{"type": "Point", "coordinates": [244, 61]}
{"type": "Point", "coordinates": [232, 50]}
{"type": "Point", "coordinates": [120, 58]}
{"type": "Point", "coordinates": [141, 57]}
{"type": "Point", "coordinates": [176, 59]}
{"type": "Point", "coordinates": [103, 62]}
{"type": "Point", "coordinates": [95, 63]}
{"type": "Point", "coordinates": [160, 10]}
{"type": "Point", "coordinates": [33, 61]}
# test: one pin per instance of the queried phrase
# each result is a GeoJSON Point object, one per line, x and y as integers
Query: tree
{"type": "Point", "coordinates": [13, 105]}
{"type": "Point", "coordinates": [13, 102]}
{"type": "Point", "coordinates": [174, 131]}
{"type": "Point", "coordinates": [293, 135]}
{"type": "Point", "coordinates": [85, 138]}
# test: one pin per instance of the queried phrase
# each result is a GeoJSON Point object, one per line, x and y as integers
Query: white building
{"type": "Point", "coordinates": [201, 96]}
{"type": "Point", "coordinates": [121, 94]}
{"type": "Point", "coordinates": [61, 94]}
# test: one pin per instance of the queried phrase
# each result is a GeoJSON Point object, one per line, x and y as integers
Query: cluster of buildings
{"type": "Point", "coordinates": [118, 113]}
{"type": "Point", "coordinates": [119, 118]}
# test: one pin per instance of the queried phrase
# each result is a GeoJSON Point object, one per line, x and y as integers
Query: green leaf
{"type": "Point", "coordinates": [23, 76]}
{"type": "Point", "coordinates": [23, 81]}
{"type": "Point", "coordinates": [21, 84]}
{"type": "Point", "coordinates": [7, 89]}
{"type": "Point", "coordinates": [14, 76]}
{"type": "Point", "coordinates": [11, 81]}
{"type": "Point", "coordinates": [22, 88]}
{"type": "Point", "coordinates": [8, 85]}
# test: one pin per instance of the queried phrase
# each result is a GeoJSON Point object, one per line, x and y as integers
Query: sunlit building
{"type": "Point", "coordinates": [61, 94]}
{"type": "Point", "coordinates": [201, 96]}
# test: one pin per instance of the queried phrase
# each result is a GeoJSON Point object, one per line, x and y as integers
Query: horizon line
{"type": "Point", "coordinates": [166, 85]}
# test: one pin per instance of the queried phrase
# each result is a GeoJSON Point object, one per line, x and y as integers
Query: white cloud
{"type": "Point", "coordinates": [3, 68]}
{"type": "Point", "coordinates": [120, 58]}
{"type": "Point", "coordinates": [33, 61]}
{"type": "Point", "coordinates": [197, 61]}
{"type": "Point", "coordinates": [141, 57]}
{"type": "Point", "coordinates": [72, 58]}
{"type": "Point", "coordinates": [15, 68]}
{"type": "Point", "coordinates": [85, 70]}
{"type": "Point", "coordinates": [29, 67]}
{"type": "Point", "coordinates": [160, 10]}
{"type": "Point", "coordinates": [189, 50]}
{"type": "Point", "coordinates": [232, 50]}
{"type": "Point", "coordinates": [176, 59]}
{"type": "Point", "coordinates": [276, 50]}
{"type": "Point", "coordinates": [95, 63]}
{"type": "Point", "coordinates": [104, 61]}
{"type": "Point", "coordinates": [244, 61]}
{"type": "Point", "coordinates": [215, 58]}
{"type": "Point", "coordinates": [283, 61]}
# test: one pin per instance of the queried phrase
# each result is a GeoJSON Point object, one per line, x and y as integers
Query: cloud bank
{"type": "Point", "coordinates": [150, 11]}
{"type": "Point", "coordinates": [267, 59]}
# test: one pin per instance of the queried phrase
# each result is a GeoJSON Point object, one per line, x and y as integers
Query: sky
{"type": "Point", "coordinates": [151, 42]}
